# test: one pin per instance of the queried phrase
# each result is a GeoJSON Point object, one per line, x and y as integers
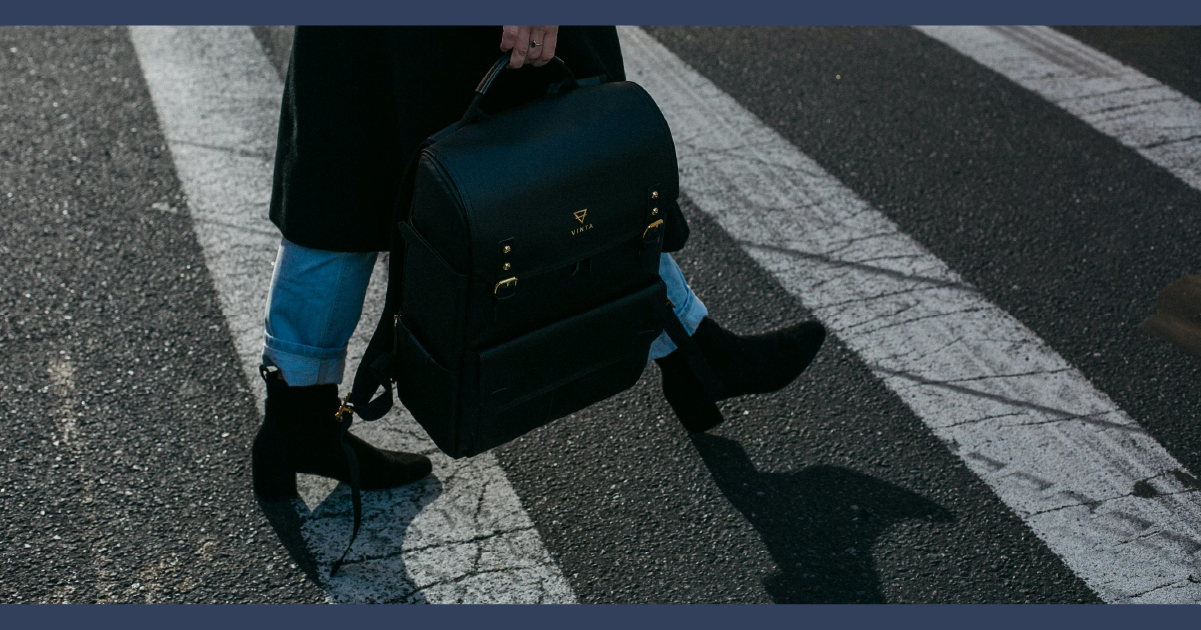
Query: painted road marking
{"type": "Point", "coordinates": [1058, 452]}
{"type": "Point", "coordinates": [69, 440]}
{"type": "Point", "coordinates": [463, 535]}
{"type": "Point", "coordinates": [1157, 121]}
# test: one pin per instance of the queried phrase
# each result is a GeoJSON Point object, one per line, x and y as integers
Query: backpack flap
{"type": "Point", "coordinates": [558, 198]}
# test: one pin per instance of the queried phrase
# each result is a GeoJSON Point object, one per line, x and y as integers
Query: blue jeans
{"type": "Point", "coordinates": [316, 299]}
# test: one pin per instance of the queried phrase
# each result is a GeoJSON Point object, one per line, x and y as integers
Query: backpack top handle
{"type": "Point", "coordinates": [474, 111]}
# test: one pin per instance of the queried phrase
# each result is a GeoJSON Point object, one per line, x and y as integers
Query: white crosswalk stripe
{"type": "Point", "coordinates": [1159, 122]}
{"type": "Point", "coordinates": [1056, 450]}
{"type": "Point", "coordinates": [464, 535]}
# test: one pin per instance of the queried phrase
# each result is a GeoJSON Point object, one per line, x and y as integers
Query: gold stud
{"type": "Point", "coordinates": [507, 249]}
{"type": "Point", "coordinates": [654, 211]}
{"type": "Point", "coordinates": [654, 194]}
{"type": "Point", "coordinates": [506, 266]}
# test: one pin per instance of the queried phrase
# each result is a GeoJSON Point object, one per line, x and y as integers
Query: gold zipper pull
{"type": "Point", "coordinates": [344, 408]}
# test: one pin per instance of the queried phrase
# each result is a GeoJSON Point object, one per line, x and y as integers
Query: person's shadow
{"type": "Point", "coordinates": [818, 523]}
{"type": "Point", "coordinates": [374, 571]}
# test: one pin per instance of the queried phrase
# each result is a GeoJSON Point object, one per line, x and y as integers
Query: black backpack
{"type": "Point", "coordinates": [524, 274]}
{"type": "Point", "coordinates": [524, 271]}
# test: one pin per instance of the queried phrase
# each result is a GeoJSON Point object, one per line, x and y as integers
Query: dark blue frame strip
{"type": "Point", "coordinates": [610, 11]}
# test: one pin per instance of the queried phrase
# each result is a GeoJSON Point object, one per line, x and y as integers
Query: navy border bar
{"type": "Point", "coordinates": [1054, 12]}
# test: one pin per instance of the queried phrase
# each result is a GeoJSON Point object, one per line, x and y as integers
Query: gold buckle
{"type": "Point", "coordinates": [507, 282]}
{"type": "Point", "coordinates": [344, 408]}
{"type": "Point", "coordinates": [651, 227]}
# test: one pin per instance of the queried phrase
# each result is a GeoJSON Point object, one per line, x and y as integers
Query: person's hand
{"type": "Point", "coordinates": [520, 40]}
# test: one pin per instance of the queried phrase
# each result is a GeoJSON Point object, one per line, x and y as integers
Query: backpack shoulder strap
{"type": "Point", "coordinates": [375, 370]}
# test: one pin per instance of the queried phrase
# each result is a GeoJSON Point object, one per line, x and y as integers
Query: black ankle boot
{"type": "Point", "coordinates": [301, 435]}
{"type": "Point", "coordinates": [745, 365]}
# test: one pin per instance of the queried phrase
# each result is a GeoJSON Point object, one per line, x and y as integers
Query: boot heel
{"type": "Point", "coordinates": [686, 396]}
{"type": "Point", "coordinates": [274, 486]}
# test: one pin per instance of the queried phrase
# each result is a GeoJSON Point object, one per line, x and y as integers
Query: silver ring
{"type": "Point", "coordinates": [534, 44]}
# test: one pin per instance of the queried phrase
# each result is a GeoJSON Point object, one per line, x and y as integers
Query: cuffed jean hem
{"type": "Point", "coordinates": [303, 366]}
{"type": "Point", "coordinates": [689, 308]}
{"type": "Point", "coordinates": [313, 306]}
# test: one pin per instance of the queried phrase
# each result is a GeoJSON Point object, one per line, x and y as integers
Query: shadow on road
{"type": "Point", "coordinates": [819, 523]}
{"type": "Point", "coordinates": [374, 571]}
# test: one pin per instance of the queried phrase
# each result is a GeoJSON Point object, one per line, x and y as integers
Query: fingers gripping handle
{"type": "Point", "coordinates": [502, 63]}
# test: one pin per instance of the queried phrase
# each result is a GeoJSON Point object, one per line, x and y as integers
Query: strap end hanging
{"type": "Point", "coordinates": [356, 498]}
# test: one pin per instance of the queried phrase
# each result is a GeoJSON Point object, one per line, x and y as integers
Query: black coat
{"type": "Point", "coordinates": [359, 100]}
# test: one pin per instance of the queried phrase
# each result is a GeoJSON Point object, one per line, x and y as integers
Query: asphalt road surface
{"type": "Point", "coordinates": [134, 251]}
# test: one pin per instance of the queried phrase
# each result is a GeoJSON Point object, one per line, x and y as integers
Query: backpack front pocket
{"type": "Point", "coordinates": [428, 390]}
{"type": "Point", "coordinates": [563, 367]}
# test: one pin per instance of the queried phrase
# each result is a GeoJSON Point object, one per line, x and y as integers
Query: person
{"type": "Point", "coordinates": [357, 102]}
